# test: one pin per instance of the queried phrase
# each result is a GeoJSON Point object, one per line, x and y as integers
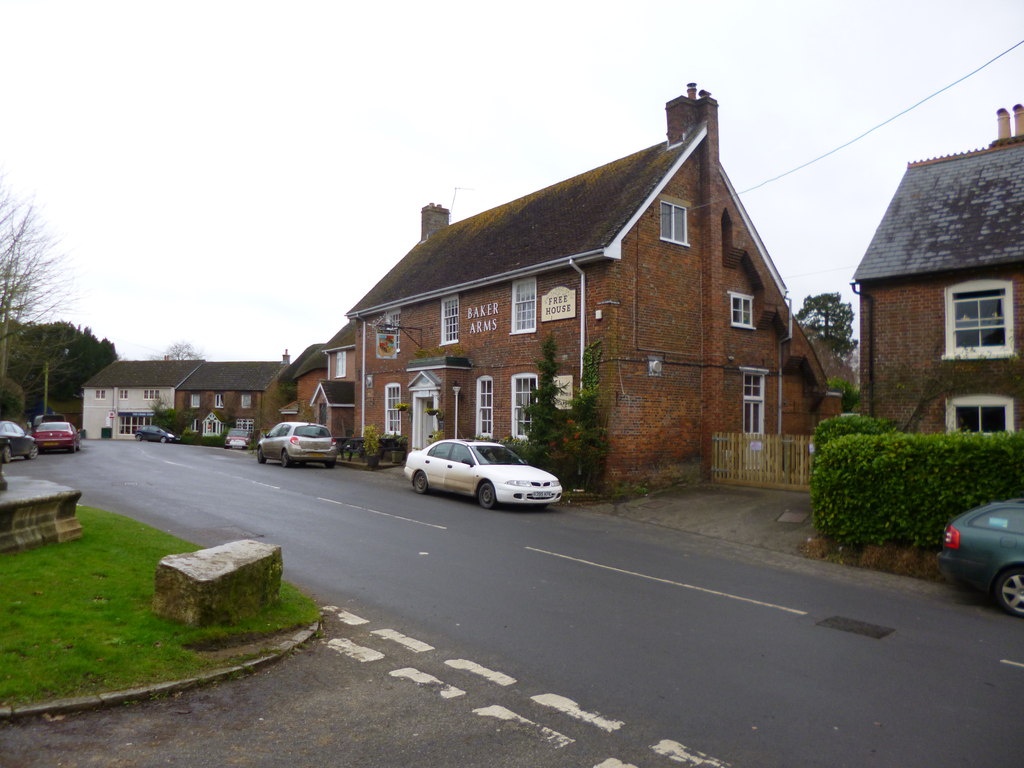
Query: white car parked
{"type": "Point", "coordinates": [489, 471]}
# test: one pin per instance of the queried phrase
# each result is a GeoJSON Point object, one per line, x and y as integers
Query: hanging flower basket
{"type": "Point", "coordinates": [401, 407]}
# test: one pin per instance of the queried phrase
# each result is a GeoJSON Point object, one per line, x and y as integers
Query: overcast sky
{"type": "Point", "coordinates": [238, 174]}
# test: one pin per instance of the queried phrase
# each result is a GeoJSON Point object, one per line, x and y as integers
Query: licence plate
{"type": "Point", "coordinates": [50, 443]}
{"type": "Point", "coordinates": [542, 495]}
{"type": "Point", "coordinates": [317, 455]}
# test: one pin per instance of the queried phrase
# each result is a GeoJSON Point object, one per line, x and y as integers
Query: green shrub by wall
{"type": "Point", "coordinates": [873, 489]}
{"type": "Point", "coordinates": [213, 441]}
{"type": "Point", "coordinates": [854, 424]}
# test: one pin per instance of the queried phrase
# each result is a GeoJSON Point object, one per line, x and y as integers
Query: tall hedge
{"type": "Point", "coordinates": [903, 488]}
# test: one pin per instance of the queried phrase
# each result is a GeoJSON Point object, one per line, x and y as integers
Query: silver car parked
{"type": "Point", "coordinates": [298, 442]}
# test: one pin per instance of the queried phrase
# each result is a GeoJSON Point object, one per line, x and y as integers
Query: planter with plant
{"type": "Point", "coordinates": [371, 445]}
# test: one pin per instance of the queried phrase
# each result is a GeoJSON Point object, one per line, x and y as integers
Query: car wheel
{"type": "Point", "coordinates": [419, 482]}
{"type": "Point", "coordinates": [32, 452]}
{"type": "Point", "coordinates": [260, 457]}
{"type": "Point", "coordinates": [163, 439]}
{"type": "Point", "coordinates": [330, 464]}
{"type": "Point", "coordinates": [1009, 591]}
{"type": "Point", "coordinates": [285, 460]}
{"type": "Point", "coordinates": [485, 495]}
{"type": "Point", "coordinates": [5, 457]}
{"type": "Point", "coordinates": [139, 438]}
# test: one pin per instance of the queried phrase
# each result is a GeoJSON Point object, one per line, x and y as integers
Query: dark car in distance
{"type": "Point", "coordinates": [984, 547]}
{"type": "Point", "coordinates": [155, 434]}
{"type": "Point", "coordinates": [19, 443]}
{"type": "Point", "coordinates": [57, 436]}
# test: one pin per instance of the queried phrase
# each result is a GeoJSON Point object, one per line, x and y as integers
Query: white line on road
{"type": "Point", "coordinates": [484, 672]}
{"type": "Point", "coordinates": [397, 637]}
{"type": "Point", "coordinates": [1011, 663]}
{"type": "Point", "coordinates": [705, 590]}
{"type": "Point", "coordinates": [572, 709]}
{"type": "Point", "coordinates": [679, 753]}
{"type": "Point", "coordinates": [349, 618]}
{"type": "Point", "coordinates": [383, 514]}
{"type": "Point", "coordinates": [265, 485]}
{"type": "Point", "coordinates": [422, 678]}
{"type": "Point", "coordinates": [353, 651]}
{"type": "Point", "coordinates": [611, 762]}
{"type": "Point", "coordinates": [556, 738]}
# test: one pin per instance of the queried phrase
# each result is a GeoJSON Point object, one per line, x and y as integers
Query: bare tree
{"type": "Point", "coordinates": [181, 350]}
{"type": "Point", "coordinates": [34, 278]}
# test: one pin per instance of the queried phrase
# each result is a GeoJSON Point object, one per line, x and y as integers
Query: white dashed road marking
{"type": "Point", "coordinates": [349, 618]}
{"type": "Point", "coordinates": [383, 514]}
{"type": "Point", "coordinates": [1011, 663]}
{"type": "Point", "coordinates": [572, 709]}
{"type": "Point", "coordinates": [705, 590]}
{"type": "Point", "coordinates": [422, 678]}
{"type": "Point", "coordinates": [675, 751]}
{"type": "Point", "coordinates": [353, 651]}
{"type": "Point", "coordinates": [556, 738]}
{"type": "Point", "coordinates": [611, 762]}
{"type": "Point", "coordinates": [398, 637]}
{"type": "Point", "coordinates": [484, 672]}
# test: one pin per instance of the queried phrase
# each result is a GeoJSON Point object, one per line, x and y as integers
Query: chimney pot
{"type": "Point", "coordinates": [1018, 120]}
{"type": "Point", "coordinates": [286, 358]}
{"type": "Point", "coordinates": [691, 90]}
{"type": "Point", "coordinates": [1002, 124]}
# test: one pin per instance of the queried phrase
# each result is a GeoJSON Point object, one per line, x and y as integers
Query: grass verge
{"type": "Point", "coordinates": [76, 618]}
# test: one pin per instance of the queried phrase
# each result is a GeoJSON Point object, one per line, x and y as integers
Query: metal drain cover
{"type": "Point", "coordinates": [856, 627]}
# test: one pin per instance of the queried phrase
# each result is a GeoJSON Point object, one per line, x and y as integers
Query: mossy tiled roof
{"type": "Point", "coordinates": [576, 216]}
{"type": "Point", "coordinates": [143, 373]}
{"type": "Point", "coordinates": [235, 376]}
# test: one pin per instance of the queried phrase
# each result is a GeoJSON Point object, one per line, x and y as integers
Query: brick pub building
{"type": "Point", "coordinates": [652, 256]}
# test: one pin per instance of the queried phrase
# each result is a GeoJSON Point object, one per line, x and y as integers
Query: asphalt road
{"type": "Point", "coordinates": [464, 637]}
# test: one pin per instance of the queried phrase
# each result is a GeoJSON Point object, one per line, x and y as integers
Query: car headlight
{"type": "Point", "coordinates": [523, 483]}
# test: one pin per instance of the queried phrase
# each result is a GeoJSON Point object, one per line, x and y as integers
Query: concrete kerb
{"type": "Point", "coordinates": [146, 692]}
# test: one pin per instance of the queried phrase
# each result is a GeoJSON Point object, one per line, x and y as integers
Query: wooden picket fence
{"type": "Point", "coordinates": [766, 461]}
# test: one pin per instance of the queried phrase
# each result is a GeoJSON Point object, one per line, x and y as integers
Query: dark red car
{"type": "Point", "coordinates": [57, 436]}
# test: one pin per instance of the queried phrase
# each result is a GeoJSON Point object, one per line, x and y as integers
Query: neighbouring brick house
{"type": "Point", "coordinates": [305, 372]}
{"type": "Point", "coordinates": [120, 398]}
{"type": "Point", "coordinates": [653, 256]}
{"type": "Point", "coordinates": [333, 400]}
{"type": "Point", "coordinates": [941, 287]}
{"type": "Point", "coordinates": [217, 396]}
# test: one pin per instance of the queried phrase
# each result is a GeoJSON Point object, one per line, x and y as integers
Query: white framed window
{"type": "Point", "coordinates": [249, 424]}
{"type": "Point", "coordinates": [123, 394]}
{"type": "Point", "coordinates": [392, 416]}
{"type": "Point", "coordinates": [753, 402]}
{"type": "Point", "coordinates": [524, 305]}
{"type": "Point", "coordinates": [129, 425]}
{"type": "Point", "coordinates": [196, 425]}
{"type": "Point", "coordinates": [523, 385]}
{"type": "Point", "coordinates": [485, 406]}
{"type": "Point", "coordinates": [212, 425]}
{"type": "Point", "coordinates": [741, 310]}
{"type": "Point", "coordinates": [194, 400]}
{"type": "Point", "coordinates": [151, 394]}
{"type": "Point", "coordinates": [673, 223]}
{"type": "Point", "coordinates": [246, 400]}
{"type": "Point", "coordinates": [980, 413]}
{"type": "Point", "coordinates": [340, 361]}
{"type": "Point", "coordinates": [100, 394]}
{"type": "Point", "coordinates": [450, 320]}
{"type": "Point", "coordinates": [218, 401]}
{"type": "Point", "coordinates": [979, 319]}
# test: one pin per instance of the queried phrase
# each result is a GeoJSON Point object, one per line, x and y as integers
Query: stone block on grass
{"type": "Point", "coordinates": [219, 585]}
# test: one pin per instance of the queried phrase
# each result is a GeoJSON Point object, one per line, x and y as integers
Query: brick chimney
{"type": "Point", "coordinates": [686, 113]}
{"type": "Point", "coordinates": [286, 359]}
{"type": "Point", "coordinates": [432, 218]}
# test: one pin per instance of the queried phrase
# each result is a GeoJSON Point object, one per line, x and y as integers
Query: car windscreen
{"type": "Point", "coordinates": [54, 426]}
{"type": "Point", "coordinates": [312, 430]}
{"type": "Point", "coordinates": [496, 454]}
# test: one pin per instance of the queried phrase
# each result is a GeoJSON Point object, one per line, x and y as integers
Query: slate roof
{"type": "Point", "coordinates": [576, 216]}
{"type": "Point", "coordinates": [239, 376]}
{"type": "Point", "coordinates": [959, 212]}
{"type": "Point", "coordinates": [143, 373]}
{"type": "Point", "coordinates": [339, 392]}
